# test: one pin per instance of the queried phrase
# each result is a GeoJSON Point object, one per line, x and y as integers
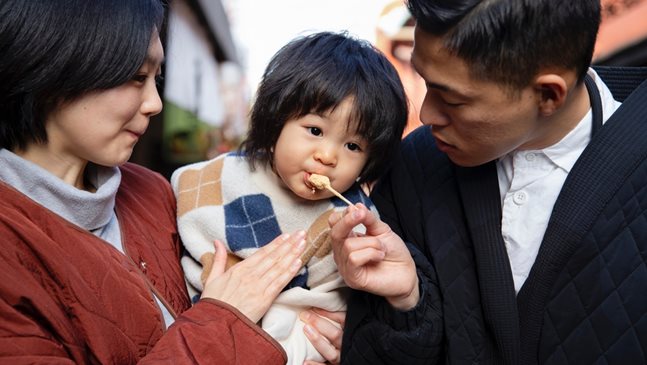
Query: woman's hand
{"type": "Point", "coordinates": [324, 330]}
{"type": "Point", "coordinates": [252, 284]}
{"type": "Point", "coordinates": [377, 262]}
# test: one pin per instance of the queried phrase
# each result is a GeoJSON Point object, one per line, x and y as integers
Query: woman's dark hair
{"type": "Point", "coordinates": [314, 74]}
{"type": "Point", "coordinates": [509, 41]}
{"type": "Point", "coordinates": [52, 51]}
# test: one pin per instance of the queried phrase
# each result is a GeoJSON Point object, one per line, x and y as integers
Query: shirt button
{"type": "Point", "coordinates": [530, 157]}
{"type": "Point", "coordinates": [520, 198]}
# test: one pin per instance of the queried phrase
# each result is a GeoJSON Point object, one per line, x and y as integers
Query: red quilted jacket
{"type": "Point", "coordinates": [67, 296]}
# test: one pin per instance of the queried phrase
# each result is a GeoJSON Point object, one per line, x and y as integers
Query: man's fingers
{"type": "Point", "coordinates": [324, 336]}
{"type": "Point", "coordinates": [338, 317]}
{"type": "Point", "coordinates": [362, 257]}
{"type": "Point", "coordinates": [325, 326]}
{"type": "Point", "coordinates": [342, 223]}
{"type": "Point", "coordinates": [341, 226]}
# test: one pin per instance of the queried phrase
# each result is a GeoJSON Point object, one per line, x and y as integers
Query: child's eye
{"type": "Point", "coordinates": [315, 131]}
{"type": "Point", "coordinates": [354, 147]}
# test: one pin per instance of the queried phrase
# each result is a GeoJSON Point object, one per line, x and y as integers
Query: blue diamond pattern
{"type": "Point", "coordinates": [250, 222]}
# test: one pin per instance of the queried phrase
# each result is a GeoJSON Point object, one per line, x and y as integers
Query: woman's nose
{"type": "Point", "coordinates": [152, 103]}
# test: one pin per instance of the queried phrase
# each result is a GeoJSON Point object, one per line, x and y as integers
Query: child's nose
{"type": "Point", "coordinates": [326, 155]}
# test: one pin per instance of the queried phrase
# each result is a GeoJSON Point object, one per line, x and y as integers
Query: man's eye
{"type": "Point", "coordinates": [315, 131]}
{"type": "Point", "coordinates": [452, 104]}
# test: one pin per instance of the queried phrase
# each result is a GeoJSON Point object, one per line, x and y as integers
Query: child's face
{"type": "Point", "coordinates": [320, 144]}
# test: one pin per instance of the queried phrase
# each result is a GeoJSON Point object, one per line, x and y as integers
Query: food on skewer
{"type": "Point", "coordinates": [321, 182]}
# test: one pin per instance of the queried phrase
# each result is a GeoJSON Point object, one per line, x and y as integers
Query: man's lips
{"type": "Point", "coordinates": [442, 145]}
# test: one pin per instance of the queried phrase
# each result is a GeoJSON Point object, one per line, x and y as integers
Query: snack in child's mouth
{"type": "Point", "coordinates": [321, 182]}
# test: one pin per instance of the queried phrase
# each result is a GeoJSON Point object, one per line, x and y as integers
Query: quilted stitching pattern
{"type": "Point", "coordinates": [595, 314]}
{"type": "Point", "coordinates": [451, 251]}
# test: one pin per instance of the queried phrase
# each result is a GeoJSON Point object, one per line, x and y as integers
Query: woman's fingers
{"type": "Point", "coordinates": [277, 266]}
{"type": "Point", "coordinates": [219, 261]}
{"type": "Point", "coordinates": [252, 284]}
{"type": "Point", "coordinates": [267, 256]}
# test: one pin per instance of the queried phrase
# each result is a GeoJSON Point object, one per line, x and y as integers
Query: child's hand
{"type": "Point", "coordinates": [252, 284]}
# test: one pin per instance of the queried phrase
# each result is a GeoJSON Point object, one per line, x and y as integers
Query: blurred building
{"type": "Point", "coordinates": [205, 101]}
{"type": "Point", "coordinates": [394, 37]}
{"type": "Point", "coordinates": [622, 40]}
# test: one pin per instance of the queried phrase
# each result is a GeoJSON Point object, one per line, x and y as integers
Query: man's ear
{"type": "Point", "coordinates": [552, 90]}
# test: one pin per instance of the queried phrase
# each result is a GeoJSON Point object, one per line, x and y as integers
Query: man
{"type": "Point", "coordinates": [523, 201]}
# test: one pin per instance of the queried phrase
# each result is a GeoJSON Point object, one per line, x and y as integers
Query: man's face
{"type": "Point", "coordinates": [473, 121]}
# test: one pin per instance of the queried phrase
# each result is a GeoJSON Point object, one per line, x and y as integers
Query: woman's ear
{"type": "Point", "coordinates": [553, 90]}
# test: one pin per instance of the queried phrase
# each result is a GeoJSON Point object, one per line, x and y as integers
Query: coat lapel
{"type": "Point", "coordinates": [601, 169]}
{"type": "Point", "coordinates": [479, 190]}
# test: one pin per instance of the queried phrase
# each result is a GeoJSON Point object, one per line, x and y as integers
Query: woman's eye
{"type": "Point", "coordinates": [315, 131]}
{"type": "Point", "coordinates": [159, 79]}
{"type": "Point", "coordinates": [140, 78]}
{"type": "Point", "coordinates": [354, 147]}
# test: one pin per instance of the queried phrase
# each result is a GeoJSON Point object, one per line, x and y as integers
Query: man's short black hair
{"type": "Point", "coordinates": [509, 41]}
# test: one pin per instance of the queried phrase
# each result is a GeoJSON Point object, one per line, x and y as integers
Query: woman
{"type": "Point", "coordinates": [90, 254]}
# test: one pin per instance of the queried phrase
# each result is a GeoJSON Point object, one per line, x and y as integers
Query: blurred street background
{"type": "Point", "coordinates": [216, 51]}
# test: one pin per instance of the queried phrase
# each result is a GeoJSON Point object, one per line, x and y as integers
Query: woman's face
{"type": "Point", "coordinates": [320, 144]}
{"type": "Point", "coordinates": [103, 126]}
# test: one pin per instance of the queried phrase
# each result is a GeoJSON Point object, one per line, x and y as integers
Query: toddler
{"type": "Point", "coordinates": [328, 104]}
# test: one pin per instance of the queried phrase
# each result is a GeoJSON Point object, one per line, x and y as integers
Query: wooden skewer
{"type": "Point", "coordinates": [323, 182]}
{"type": "Point", "coordinates": [338, 195]}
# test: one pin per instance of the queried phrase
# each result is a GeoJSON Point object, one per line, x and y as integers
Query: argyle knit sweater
{"type": "Point", "coordinates": [224, 199]}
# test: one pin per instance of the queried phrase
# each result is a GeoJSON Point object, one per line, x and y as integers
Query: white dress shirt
{"type": "Point", "coordinates": [529, 183]}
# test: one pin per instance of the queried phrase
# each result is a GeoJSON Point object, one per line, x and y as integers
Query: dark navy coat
{"type": "Point", "coordinates": [585, 300]}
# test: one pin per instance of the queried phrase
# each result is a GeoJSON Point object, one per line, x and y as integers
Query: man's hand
{"type": "Point", "coordinates": [377, 262]}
